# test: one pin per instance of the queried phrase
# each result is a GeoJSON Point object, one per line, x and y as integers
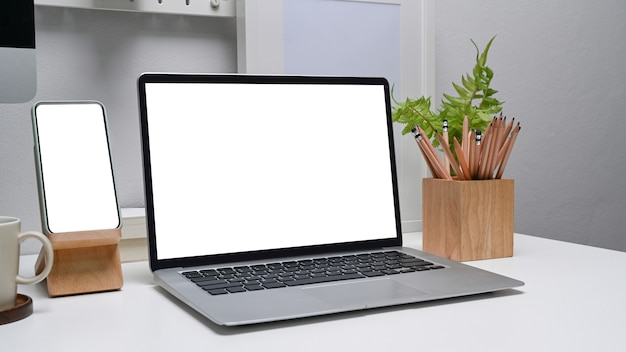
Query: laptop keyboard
{"type": "Point", "coordinates": [229, 280]}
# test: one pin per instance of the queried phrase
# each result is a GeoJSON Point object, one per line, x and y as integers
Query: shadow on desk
{"type": "Point", "coordinates": [229, 330]}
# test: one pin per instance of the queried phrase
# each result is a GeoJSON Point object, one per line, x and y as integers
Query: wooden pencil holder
{"type": "Point", "coordinates": [468, 220]}
{"type": "Point", "coordinates": [84, 262]}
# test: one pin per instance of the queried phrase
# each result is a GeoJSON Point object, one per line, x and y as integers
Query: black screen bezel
{"type": "Point", "coordinates": [157, 264]}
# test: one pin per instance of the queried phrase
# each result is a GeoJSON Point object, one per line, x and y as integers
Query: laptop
{"type": "Point", "coordinates": [276, 197]}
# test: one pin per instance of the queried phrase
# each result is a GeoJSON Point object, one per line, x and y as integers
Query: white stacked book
{"type": "Point", "coordinates": [134, 243]}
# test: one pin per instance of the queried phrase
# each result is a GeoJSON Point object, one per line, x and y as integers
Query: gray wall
{"type": "Point", "coordinates": [88, 54]}
{"type": "Point", "coordinates": [559, 65]}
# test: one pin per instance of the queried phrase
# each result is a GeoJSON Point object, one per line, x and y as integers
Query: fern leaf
{"type": "Point", "coordinates": [468, 82]}
{"type": "Point", "coordinates": [463, 93]}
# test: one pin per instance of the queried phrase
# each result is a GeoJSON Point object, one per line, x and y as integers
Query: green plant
{"type": "Point", "coordinates": [475, 100]}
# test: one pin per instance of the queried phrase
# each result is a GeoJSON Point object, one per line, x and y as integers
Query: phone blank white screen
{"type": "Point", "coordinates": [76, 171]}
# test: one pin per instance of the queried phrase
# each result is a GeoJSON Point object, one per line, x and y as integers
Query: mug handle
{"type": "Point", "coordinates": [47, 245]}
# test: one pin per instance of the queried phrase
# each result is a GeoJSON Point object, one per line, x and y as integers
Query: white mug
{"type": "Point", "coordinates": [10, 240]}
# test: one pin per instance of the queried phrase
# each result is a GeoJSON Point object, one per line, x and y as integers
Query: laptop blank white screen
{"type": "Point", "coordinates": [241, 167]}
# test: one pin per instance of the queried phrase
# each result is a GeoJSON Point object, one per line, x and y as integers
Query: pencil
{"type": "Point", "coordinates": [462, 161]}
{"type": "Point", "coordinates": [464, 139]}
{"type": "Point", "coordinates": [446, 160]}
{"type": "Point", "coordinates": [432, 154]}
{"type": "Point", "coordinates": [476, 155]}
{"type": "Point", "coordinates": [507, 153]}
{"type": "Point", "coordinates": [427, 160]}
{"type": "Point", "coordinates": [485, 150]}
{"type": "Point", "coordinates": [499, 139]}
{"type": "Point", "coordinates": [472, 148]}
{"type": "Point", "coordinates": [448, 152]}
{"type": "Point", "coordinates": [505, 142]}
{"type": "Point", "coordinates": [429, 154]}
{"type": "Point", "coordinates": [509, 127]}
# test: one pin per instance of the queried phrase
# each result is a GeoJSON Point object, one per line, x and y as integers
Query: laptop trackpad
{"type": "Point", "coordinates": [365, 293]}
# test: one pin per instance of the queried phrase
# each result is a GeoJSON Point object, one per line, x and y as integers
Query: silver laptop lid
{"type": "Point", "coordinates": [243, 167]}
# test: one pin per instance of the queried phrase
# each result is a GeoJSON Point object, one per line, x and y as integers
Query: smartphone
{"type": "Point", "coordinates": [74, 169]}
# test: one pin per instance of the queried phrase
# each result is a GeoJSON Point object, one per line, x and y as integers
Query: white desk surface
{"type": "Point", "coordinates": [574, 300]}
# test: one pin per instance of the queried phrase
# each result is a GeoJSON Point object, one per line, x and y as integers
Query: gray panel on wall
{"type": "Point", "coordinates": [342, 38]}
{"type": "Point", "coordinates": [347, 38]}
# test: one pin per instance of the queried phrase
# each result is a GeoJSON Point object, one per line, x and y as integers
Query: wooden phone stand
{"type": "Point", "coordinates": [84, 262]}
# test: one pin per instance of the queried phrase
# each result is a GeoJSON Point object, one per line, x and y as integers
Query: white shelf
{"type": "Point", "coordinates": [212, 8]}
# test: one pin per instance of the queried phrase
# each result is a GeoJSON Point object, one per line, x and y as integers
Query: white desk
{"type": "Point", "coordinates": [574, 300]}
